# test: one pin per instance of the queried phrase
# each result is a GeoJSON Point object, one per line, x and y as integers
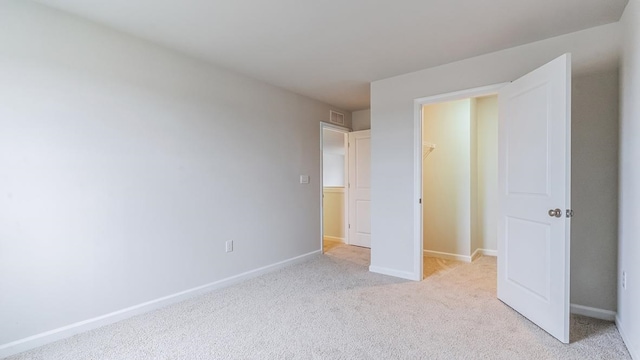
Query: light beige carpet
{"type": "Point", "coordinates": [328, 244]}
{"type": "Point", "coordinates": [333, 308]}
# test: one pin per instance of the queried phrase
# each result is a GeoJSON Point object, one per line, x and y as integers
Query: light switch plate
{"type": "Point", "coordinates": [304, 179]}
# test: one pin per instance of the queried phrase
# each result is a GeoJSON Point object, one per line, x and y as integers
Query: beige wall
{"type": "Point", "coordinates": [333, 212]}
{"type": "Point", "coordinates": [447, 177]}
{"type": "Point", "coordinates": [460, 177]}
{"type": "Point", "coordinates": [361, 120]}
{"type": "Point", "coordinates": [594, 189]}
{"type": "Point", "coordinates": [487, 175]}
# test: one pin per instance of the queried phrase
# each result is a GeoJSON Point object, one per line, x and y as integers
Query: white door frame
{"type": "Point", "coordinates": [418, 243]}
{"type": "Point", "coordinates": [346, 131]}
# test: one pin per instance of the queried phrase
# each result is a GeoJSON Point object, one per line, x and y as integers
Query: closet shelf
{"type": "Point", "coordinates": [427, 148]}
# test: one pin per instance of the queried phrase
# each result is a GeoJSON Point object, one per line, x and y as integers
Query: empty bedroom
{"type": "Point", "coordinates": [192, 179]}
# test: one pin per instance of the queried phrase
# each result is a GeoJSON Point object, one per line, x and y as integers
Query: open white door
{"type": "Point", "coordinates": [534, 187]}
{"type": "Point", "coordinates": [360, 188]}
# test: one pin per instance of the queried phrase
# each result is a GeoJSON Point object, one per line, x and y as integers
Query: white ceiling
{"type": "Point", "coordinates": [331, 50]}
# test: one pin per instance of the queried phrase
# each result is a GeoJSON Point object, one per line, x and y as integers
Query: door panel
{"type": "Point", "coordinates": [360, 188]}
{"type": "Point", "coordinates": [528, 254]}
{"type": "Point", "coordinates": [363, 213]}
{"type": "Point", "coordinates": [534, 177]}
{"type": "Point", "coordinates": [525, 132]}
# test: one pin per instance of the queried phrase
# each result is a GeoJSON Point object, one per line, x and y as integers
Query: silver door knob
{"type": "Point", "coordinates": [555, 213]}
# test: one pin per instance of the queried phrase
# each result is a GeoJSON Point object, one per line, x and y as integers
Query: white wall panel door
{"type": "Point", "coordinates": [360, 188]}
{"type": "Point", "coordinates": [534, 181]}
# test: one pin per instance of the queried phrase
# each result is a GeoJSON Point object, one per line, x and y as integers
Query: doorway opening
{"type": "Point", "coordinates": [459, 182]}
{"type": "Point", "coordinates": [335, 191]}
{"type": "Point", "coordinates": [345, 193]}
{"type": "Point", "coordinates": [449, 144]}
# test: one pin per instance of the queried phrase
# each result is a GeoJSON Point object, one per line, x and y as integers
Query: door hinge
{"type": "Point", "coordinates": [349, 226]}
{"type": "Point", "coordinates": [569, 213]}
{"type": "Point", "coordinates": [419, 201]}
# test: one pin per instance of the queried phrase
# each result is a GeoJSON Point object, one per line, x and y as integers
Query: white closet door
{"type": "Point", "coordinates": [360, 188]}
{"type": "Point", "coordinates": [534, 187]}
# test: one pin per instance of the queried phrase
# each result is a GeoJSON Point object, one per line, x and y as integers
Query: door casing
{"type": "Point", "coordinates": [418, 244]}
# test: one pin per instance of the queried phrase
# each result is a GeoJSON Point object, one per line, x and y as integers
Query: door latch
{"type": "Point", "coordinates": [555, 213]}
{"type": "Point", "coordinates": [569, 213]}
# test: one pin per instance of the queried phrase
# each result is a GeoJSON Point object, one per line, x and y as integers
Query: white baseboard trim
{"type": "Point", "coordinates": [395, 273]}
{"type": "Point", "coordinates": [635, 353]}
{"type": "Point", "coordinates": [592, 312]}
{"type": "Point", "coordinates": [334, 238]}
{"type": "Point", "coordinates": [483, 252]}
{"type": "Point", "coordinates": [457, 257]}
{"type": "Point", "coordinates": [47, 337]}
{"type": "Point", "coordinates": [487, 252]}
{"type": "Point", "coordinates": [447, 256]}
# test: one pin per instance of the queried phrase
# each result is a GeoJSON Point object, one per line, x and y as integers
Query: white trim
{"type": "Point", "coordinates": [447, 256]}
{"type": "Point", "coordinates": [484, 252]}
{"type": "Point", "coordinates": [395, 273]}
{"type": "Point", "coordinates": [345, 200]}
{"type": "Point", "coordinates": [50, 336]}
{"type": "Point", "coordinates": [334, 127]}
{"type": "Point", "coordinates": [635, 353]}
{"type": "Point", "coordinates": [457, 257]}
{"type": "Point", "coordinates": [334, 238]}
{"type": "Point", "coordinates": [592, 312]}
{"type": "Point", "coordinates": [418, 241]}
{"type": "Point", "coordinates": [488, 252]}
{"type": "Point", "coordinates": [418, 249]}
{"type": "Point", "coordinates": [462, 94]}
